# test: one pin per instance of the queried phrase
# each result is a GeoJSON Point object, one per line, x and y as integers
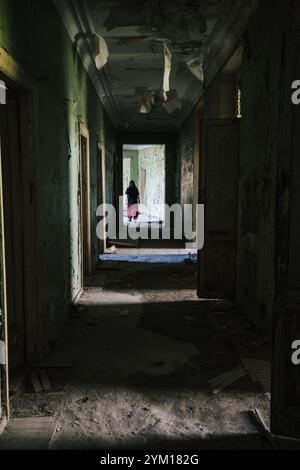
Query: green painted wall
{"type": "Point", "coordinates": [65, 94]}
{"type": "Point", "coordinates": [134, 164]}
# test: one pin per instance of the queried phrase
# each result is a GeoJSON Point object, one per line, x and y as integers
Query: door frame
{"type": "Point", "coordinates": [84, 132]}
{"type": "Point", "coordinates": [101, 172]}
{"type": "Point", "coordinates": [144, 141]}
{"type": "Point", "coordinates": [4, 394]}
{"type": "Point", "coordinates": [27, 91]}
{"type": "Point", "coordinates": [228, 237]}
{"type": "Point", "coordinates": [285, 418]}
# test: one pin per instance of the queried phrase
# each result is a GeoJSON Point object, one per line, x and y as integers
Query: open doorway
{"type": "Point", "coordinates": [101, 189]}
{"type": "Point", "coordinates": [18, 233]}
{"type": "Point", "coordinates": [145, 165]}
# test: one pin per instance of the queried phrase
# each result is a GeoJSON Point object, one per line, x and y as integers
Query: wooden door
{"type": "Point", "coordinates": [13, 226]}
{"type": "Point", "coordinates": [285, 396]}
{"type": "Point", "coordinates": [4, 388]}
{"type": "Point", "coordinates": [219, 176]}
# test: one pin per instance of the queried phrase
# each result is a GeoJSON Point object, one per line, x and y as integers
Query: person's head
{"type": "Point", "coordinates": [132, 184]}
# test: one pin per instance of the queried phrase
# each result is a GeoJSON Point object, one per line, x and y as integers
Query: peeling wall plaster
{"type": "Point", "coordinates": [152, 161]}
{"type": "Point", "coordinates": [65, 94]}
{"type": "Point", "coordinates": [136, 32]}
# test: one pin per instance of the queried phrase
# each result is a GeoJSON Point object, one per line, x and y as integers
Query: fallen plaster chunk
{"type": "Point", "coordinates": [112, 249]}
{"type": "Point", "coordinates": [172, 103]}
{"type": "Point", "coordinates": [145, 106]}
{"type": "Point", "coordinates": [157, 98]}
{"type": "Point", "coordinates": [101, 52]}
{"type": "Point", "coordinates": [196, 67]}
{"type": "Point", "coordinates": [167, 70]}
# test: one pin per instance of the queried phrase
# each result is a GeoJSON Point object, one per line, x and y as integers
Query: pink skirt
{"type": "Point", "coordinates": [132, 211]}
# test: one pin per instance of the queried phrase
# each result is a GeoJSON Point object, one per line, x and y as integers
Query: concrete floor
{"type": "Point", "coordinates": [138, 352]}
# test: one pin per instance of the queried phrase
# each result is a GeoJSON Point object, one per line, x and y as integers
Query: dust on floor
{"type": "Point", "coordinates": [133, 367]}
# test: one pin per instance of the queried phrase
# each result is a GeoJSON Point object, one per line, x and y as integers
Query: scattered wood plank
{"type": "Point", "coordinates": [34, 433]}
{"type": "Point", "coordinates": [15, 381]}
{"type": "Point", "coordinates": [226, 379]}
{"type": "Point", "coordinates": [45, 380]}
{"type": "Point", "coordinates": [193, 366]}
{"type": "Point", "coordinates": [37, 386]}
{"type": "Point", "coordinates": [52, 430]}
{"type": "Point", "coordinates": [259, 371]}
{"type": "Point", "coordinates": [262, 427]}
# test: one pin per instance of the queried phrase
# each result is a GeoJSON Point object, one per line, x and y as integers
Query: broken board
{"type": "Point", "coordinates": [28, 433]}
{"type": "Point", "coordinates": [45, 380]}
{"type": "Point", "coordinates": [226, 379]}
{"type": "Point", "coordinates": [259, 371]}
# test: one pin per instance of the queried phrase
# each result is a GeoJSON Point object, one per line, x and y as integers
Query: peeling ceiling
{"type": "Point", "coordinates": [200, 35]}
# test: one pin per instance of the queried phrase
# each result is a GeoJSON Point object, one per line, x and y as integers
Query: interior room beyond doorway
{"type": "Point", "coordinates": [145, 165]}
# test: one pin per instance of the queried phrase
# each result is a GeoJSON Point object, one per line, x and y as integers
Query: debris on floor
{"type": "Point", "coordinates": [36, 384]}
{"type": "Point", "coordinates": [149, 386]}
{"type": "Point", "coordinates": [45, 381]}
{"type": "Point", "coordinates": [193, 366]}
{"type": "Point", "coordinates": [40, 381]}
{"type": "Point", "coordinates": [33, 433]}
{"type": "Point", "coordinates": [262, 427]}
{"type": "Point", "coordinates": [15, 381]}
{"type": "Point", "coordinates": [226, 379]}
{"type": "Point", "coordinates": [112, 249]}
{"type": "Point", "coordinates": [259, 371]}
{"type": "Point", "coordinates": [123, 312]}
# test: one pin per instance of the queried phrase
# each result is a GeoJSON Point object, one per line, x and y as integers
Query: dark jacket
{"type": "Point", "coordinates": [133, 195]}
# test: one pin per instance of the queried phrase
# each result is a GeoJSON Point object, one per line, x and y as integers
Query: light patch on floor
{"type": "Point", "coordinates": [142, 358]}
{"type": "Point", "coordinates": [28, 433]}
{"type": "Point", "coordinates": [136, 258]}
